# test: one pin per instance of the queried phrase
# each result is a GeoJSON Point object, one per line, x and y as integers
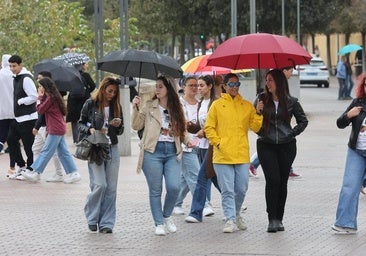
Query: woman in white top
{"type": "Point", "coordinates": [190, 160]}
{"type": "Point", "coordinates": [199, 200]}
{"type": "Point", "coordinates": [160, 156]}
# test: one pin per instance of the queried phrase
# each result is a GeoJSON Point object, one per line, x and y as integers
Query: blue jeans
{"type": "Point", "coordinates": [233, 181]}
{"type": "Point", "coordinates": [201, 191]}
{"type": "Point", "coordinates": [188, 178]}
{"type": "Point", "coordinates": [342, 88]}
{"type": "Point", "coordinates": [162, 163]}
{"type": "Point", "coordinates": [53, 143]}
{"type": "Point", "coordinates": [100, 207]}
{"type": "Point", "coordinates": [349, 86]}
{"type": "Point", "coordinates": [354, 174]}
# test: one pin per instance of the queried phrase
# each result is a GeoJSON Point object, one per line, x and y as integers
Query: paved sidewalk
{"type": "Point", "coordinates": [47, 219]}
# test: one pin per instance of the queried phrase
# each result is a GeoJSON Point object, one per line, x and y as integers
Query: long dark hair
{"type": "Point", "coordinates": [209, 81]}
{"type": "Point", "coordinates": [50, 88]}
{"type": "Point", "coordinates": [282, 92]}
{"type": "Point", "coordinates": [174, 107]}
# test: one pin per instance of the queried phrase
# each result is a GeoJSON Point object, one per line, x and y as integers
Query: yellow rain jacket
{"type": "Point", "coordinates": [227, 125]}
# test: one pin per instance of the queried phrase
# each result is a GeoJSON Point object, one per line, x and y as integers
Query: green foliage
{"type": "Point", "coordinates": [112, 38]}
{"type": "Point", "coordinates": [41, 29]}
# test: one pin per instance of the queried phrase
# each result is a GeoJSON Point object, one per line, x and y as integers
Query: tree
{"type": "Point", "coordinates": [42, 29]}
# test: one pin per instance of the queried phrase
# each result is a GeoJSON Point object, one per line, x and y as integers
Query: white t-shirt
{"type": "Point", "coordinates": [202, 114]}
{"type": "Point", "coordinates": [190, 113]}
{"type": "Point", "coordinates": [166, 126]}
{"type": "Point", "coordinates": [361, 141]}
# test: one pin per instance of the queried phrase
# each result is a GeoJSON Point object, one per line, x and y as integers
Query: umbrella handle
{"type": "Point", "coordinates": [292, 61]}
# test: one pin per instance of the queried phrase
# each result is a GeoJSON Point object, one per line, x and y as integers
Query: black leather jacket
{"type": "Point", "coordinates": [280, 130]}
{"type": "Point", "coordinates": [343, 121]}
{"type": "Point", "coordinates": [91, 117]}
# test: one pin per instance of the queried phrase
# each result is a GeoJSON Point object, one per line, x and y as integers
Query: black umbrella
{"type": "Point", "coordinates": [66, 76]}
{"type": "Point", "coordinates": [139, 63]}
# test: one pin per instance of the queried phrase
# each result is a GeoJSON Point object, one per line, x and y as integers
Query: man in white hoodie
{"type": "Point", "coordinates": [6, 99]}
{"type": "Point", "coordinates": [25, 97]}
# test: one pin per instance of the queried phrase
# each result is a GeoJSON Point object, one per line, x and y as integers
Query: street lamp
{"type": "Point", "coordinates": [234, 14]}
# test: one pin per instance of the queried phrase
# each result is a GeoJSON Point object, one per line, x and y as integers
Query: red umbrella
{"type": "Point", "coordinates": [260, 50]}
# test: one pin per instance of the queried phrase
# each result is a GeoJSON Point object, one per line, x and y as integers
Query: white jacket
{"type": "Point", "coordinates": [7, 89]}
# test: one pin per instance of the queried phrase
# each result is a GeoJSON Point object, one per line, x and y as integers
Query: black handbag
{"type": "Point", "coordinates": [193, 127]}
{"type": "Point", "coordinates": [83, 148]}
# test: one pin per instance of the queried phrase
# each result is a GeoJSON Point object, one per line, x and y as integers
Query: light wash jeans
{"type": "Point", "coordinates": [354, 174]}
{"type": "Point", "coordinates": [53, 143]}
{"type": "Point", "coordinates": [233, 182]}
{"type": "Point", "coordinates": [39, 141]}
{"type": "Point", "coordinates": [162, 163]}
{"type": "Point", "coordinates": [100, 207]}
{"type": "Point", "coordinates": [189, 174]}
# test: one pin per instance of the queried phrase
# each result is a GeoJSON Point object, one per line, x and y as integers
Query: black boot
{"type": "Point", "coordinates": [280, 226]}
{"type": "Point", "coordinates": [272, 226]}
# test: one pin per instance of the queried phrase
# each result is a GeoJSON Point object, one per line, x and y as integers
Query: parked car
{"type": "Point", "coordinates": [316, 72]}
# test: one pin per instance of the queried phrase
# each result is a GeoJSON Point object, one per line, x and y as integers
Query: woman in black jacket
{"type": "Point", "coordinates": [103, 112]}
{"type": "Point", "coordinates": [276, 144]}
{"type": "Point", "coordinates": [355, 168]}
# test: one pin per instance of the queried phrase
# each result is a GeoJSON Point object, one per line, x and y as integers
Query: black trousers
{"type": "Point", "coordinates": [4, 129]}
{"type": "Point", "coordinates": [21, 131]}
{"type": "Point", "coordinates": [276, 161]}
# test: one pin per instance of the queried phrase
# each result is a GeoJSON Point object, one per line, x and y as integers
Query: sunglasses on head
{"type": "Point", "coordinates": [233, 84]}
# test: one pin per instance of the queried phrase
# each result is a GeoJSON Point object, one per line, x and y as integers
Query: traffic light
{"type": "Point", "coordinates": [202, 36]}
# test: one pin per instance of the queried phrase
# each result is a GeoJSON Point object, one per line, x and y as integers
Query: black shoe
{"type": "Point", "coordinates": [280, 226]}
{"type": "Point", "coordinates": [6, 150]}
{"type": "Point", "coordinates": [105, 230]}
{"type": "Point", "coordinates": [272, 226]}
{"type": "Point", "coordinates": [93, 228]}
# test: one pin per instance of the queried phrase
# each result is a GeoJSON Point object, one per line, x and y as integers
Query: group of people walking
{"type": "Point", "coordinates": [223, 121]}
{"type": "Point", "coordinates": [187, 142]}
{"type": "Point", "coordinates": [37, 118]}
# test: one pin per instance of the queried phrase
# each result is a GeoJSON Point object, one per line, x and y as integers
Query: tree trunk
{"type": "Point", "coordinates": [329, 62]}
{"type": "Point", "coordinates": [193, 49]}
{"type": "Point", "coordinates": [171, 50]}
{"type": "Point", "coordinates": [182, 49]}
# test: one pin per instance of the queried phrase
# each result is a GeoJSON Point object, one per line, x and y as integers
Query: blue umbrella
{"type": "Point", "coordinates": [349, 48]}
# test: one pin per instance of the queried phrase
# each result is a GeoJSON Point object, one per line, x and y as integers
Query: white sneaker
{"type": "Point", "coordinates": [32, 176]}
{"type": "Point", "coordinates": [169, 224]}
{"type": "Point", "coordinates": [72, 177]}
{"type": "Point", "coordinates": [207, 211]}
{"type": "Point", "coordinates": [343, 231]}
{"type": "Point", "coordinates": [18, 172]}
{"type": "Point", "coordinates": [363, 190]}
{"type": "Point", "coordinates": [160, 230]}
{"type": "Point", "coordinates": [191, 219]}
{"type": "Point", "coordinates": [240, 223]}
{"type": "Point", "coordinates": [229, 227]}
{"type": "Point", "coordinates": [178, 211]}
{"type": "Point", "coordinates": [55, 178]}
